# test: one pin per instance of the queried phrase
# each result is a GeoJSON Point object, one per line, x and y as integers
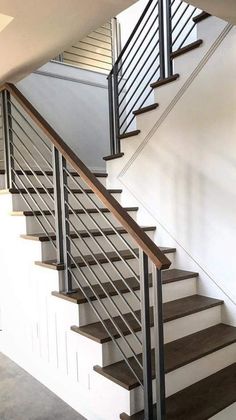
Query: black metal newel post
{"type": "Point", "coordinates": [168, 37]}
{"type": "Point", "coordinates": [61, 225]}
{"type": "Point", "coordinates": [68, 287]}
{"type": "Point", "coordinates": [159, 344]}
{"type": "Point", "coordinates": [57, 204]}
{"type": "Point", "coordinates": [111, 113]}
{"type": "Point", "coordinates": [161, 38]}
{"type": "Point", "coordinates": [8, 139]}
{"type": "Point", "coordinates": [146, 336]}
{"type": "Point", "coordinates": [116, 108]}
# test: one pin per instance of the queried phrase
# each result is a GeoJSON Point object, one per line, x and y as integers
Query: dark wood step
{"type": "Point", "coordinates": [47, 190]}
{"type": "Point", "coordinates": [178, 353]}
{"type": "Point", "coordinates": [165, 81]}
{"type": "Point", "coordinates": [201, 16]}
{"type": "Point", "coordinates": [42, 237]}
{"type": "Point", "coordinates": [186, 49]}
{"type": "Point", "coordinates": [202, 400]}
{"type": "Point", "coordinates": [112, 256]}
{"type": "Point", "coordinates": [77, 211]}
{"type": "Point", "coordinates": [2, 171]}
{"type": "Point", "coordinates": [50, 173]}
{"type": "Point", "coordinates": [145, 109]}
{"type": "Point", "coordinates": [130, 134]}
{"type": "Point", "coordinates": [115, 156]}
{"type": "Point", "coordinates": [168, 276]}
{"type": "Point", "coordinates": [171, 310]}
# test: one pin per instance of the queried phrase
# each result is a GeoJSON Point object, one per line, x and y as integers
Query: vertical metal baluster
{"type": "Point", "coordinates": [57, 204]}
{"type": "Point", "coordinates": [8, 139]}
{"type": "Point", "coordinates": [161, 39]}
{"type": "Point", "coordinates": [116, 108]}
{"type": "Point", "coordinates": [66, 227]}
{"type": "Point", "coordinates": [111, 113]}
{"type": "Point", "coordinates": [169, 38]}
{"type": "Point", "coordinates": [146, 336]}
{"type": "Point", "coordinates": [159, 343]}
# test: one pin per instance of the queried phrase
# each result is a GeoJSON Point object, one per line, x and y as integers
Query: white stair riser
{"type": "Point", "coordinates": [175, 381]}
{"type": "Point", "coordinates": [88, 316]}
{"type": "Point", "coordinates": [33, 225]}
{"type": "Point", "coordinates": [20, 204]}
{"type": "Point", "coordinates": [96, 244]}
{"type": "Point", "coordinates": [115, 272]}
{"type": "Point", "coordinates": [196, 322]}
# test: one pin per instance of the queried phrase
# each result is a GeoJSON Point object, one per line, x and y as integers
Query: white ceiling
{"type": "Point", "coordinates": [34, 31]}
{"type": "Point", "coordinates": [225, 9]}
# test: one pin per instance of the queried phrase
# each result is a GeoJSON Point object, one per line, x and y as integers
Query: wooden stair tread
{"type": "Point", "coordinates": [171, 310]}
{"type": "Point", "coordinates": [145, 109]}
{"type": "Point", "coordinates": [29, 213]}
{"type": "Point", "coordinates": [2, 171]}
{"type": "Point", "coordinates": [50, 190]}
{"type": "Point", "coordinates": [42, 237]}
{"type": "Point", "coordinates": [168, 276]}
{"type": "Point", "coordinates": [186, 49]}
{"type": "Point", "coordinates": [129, 134]}
{"type": "Point", "coordinates": [115, 156]}
{"type": "Point", "coordinates": [201, 16]}
{"type": "Point", "coordinates": [50, 173]}
{"type": "Point", "coordinates": [202, 400]}
{"type": "Point", "coordinates": [162, 82]}
{"type": "Point", "coordinates": [195, 347]}
{"type": "Point", "coordinates": [126, 254]}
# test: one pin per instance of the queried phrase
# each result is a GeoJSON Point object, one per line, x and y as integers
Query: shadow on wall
{"type": "Point", "coordinates": [75, 103]}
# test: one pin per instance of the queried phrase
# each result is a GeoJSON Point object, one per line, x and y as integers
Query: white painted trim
{"type": "Point", "coordinates": [69, 79]}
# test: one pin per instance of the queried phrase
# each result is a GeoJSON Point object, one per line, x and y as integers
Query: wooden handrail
{"type": "Point", "coordinates": [142, 239]}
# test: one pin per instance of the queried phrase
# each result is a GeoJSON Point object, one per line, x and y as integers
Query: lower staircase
{"type": "Point", "coordinates": [118, 292]}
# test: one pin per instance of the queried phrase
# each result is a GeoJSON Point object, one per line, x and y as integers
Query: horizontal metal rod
{"type": "Point", "coordinates": [31, 126]}
{"type": "Point", "coordinates": [181, 30]}
{"type": "Point", "coordinates": [31, 156]}
{"type": "Point", "coordinates": [136, 49]}
{"type": "Point", "coordinates": [138, 82]}
{"type": "Point", "coordinates": [133, 32]}
{"type": "Point", "coordinates": [101, 284]}
{"type": "Point", "coordinates": [24, 174]}
{"type": "Point", "coordinates": [186, 37]}
{"type": "Point", "coordinates": [143, 90]}
{"type": "Point", "coordinates": [139, 61]}
{"type": "Point", "coordinates": [105, 272]}
{"type": "Point", "coordinates": [104, 325]}
{"type": "Point", "coordinates": [36, 204]}
{"type": "Point", "coordinates": [31, 141]}
{"type": "Point", "coordinates": [101, 302]}
{"type": "Point", "coordinates": [103, 215]}
{"type": "Point", "coordinates": [110, 243]}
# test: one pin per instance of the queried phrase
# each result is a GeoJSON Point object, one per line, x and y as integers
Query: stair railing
{"type": "Point", "coordinates": [163, 27]}
{"type": "Point", "coordinates": [65, 194]}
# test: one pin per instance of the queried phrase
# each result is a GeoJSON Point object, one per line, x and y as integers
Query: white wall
{"type": "Point", "coordinates": [188, 177]}
{"type": "Point", "coordinates": [75, 103]}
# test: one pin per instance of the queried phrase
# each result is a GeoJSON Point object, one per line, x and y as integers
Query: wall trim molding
{"type": "Point", "coordinates": [177, 97]}
{"type": "Point", "coordinates": [69, 79]}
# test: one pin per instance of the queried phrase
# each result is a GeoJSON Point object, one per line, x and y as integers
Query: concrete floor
{"type": "Point", "coordinates": [23, 398]}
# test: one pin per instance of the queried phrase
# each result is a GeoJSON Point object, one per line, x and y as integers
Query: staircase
{"type": "Point", "coordinates": [134, 338]}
